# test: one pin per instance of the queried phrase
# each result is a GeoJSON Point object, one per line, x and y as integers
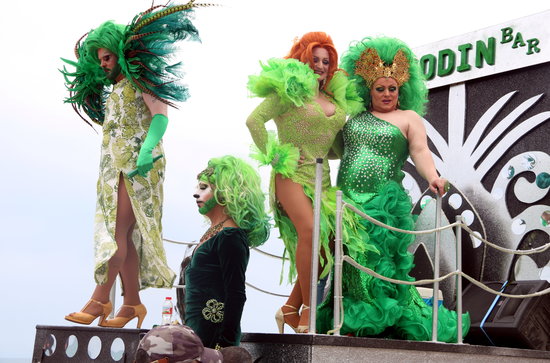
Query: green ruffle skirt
{"type": "Point", "coordinates": [373, 307]}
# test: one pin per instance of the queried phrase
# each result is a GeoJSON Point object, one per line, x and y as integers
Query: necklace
{"type": "Point", "coordinates": [213, 230]}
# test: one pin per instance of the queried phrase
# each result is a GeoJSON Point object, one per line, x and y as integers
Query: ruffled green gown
{"type": "Point", "coordinates": [370, 175]}
{"type": "Point", "coordinates": [289, 88]}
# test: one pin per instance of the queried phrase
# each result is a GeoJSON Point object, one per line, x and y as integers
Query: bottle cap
{"type": "Point", "coordinates": [168, 298]}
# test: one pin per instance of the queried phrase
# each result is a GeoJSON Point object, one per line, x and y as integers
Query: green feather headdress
{"type": "Point", "coordinates": [144, 49]}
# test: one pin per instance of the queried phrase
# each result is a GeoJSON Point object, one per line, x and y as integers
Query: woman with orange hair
{"type": "Point", "coordinates": [308, 98]}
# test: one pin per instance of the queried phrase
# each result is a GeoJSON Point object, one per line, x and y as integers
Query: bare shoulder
{"type": "Point", "coordinates": [410, 114]}
{"type": "Point", "coordinates": [154, 104]}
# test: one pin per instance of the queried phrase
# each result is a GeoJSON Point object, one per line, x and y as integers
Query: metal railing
{"type": "Point", "coordinates": [459, 225]}
{"type": "Point", "coordinates": [340, 257]}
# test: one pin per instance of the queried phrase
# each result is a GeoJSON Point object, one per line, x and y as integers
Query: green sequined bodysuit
{"type": "Point", "coordinates": [303, 128]}
{"type": "Point", "coordinates": [370, 174]}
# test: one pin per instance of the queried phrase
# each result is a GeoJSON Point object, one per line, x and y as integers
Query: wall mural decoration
{"type": "Point", "coordinates": [491, 139]}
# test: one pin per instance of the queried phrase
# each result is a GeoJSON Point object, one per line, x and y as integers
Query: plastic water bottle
{"type": "Point", "coordinates": [167, 309]}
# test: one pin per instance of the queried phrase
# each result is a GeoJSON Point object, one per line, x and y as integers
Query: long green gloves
{"type": "Point", "coordinates": [159, 122]}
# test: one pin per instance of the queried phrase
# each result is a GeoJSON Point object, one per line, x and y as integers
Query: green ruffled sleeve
{"type": "Point", "coordinates": [293, 81]}
{"type": "Point", "coordinates": [282, 157]}
{"type": "Point", "coordinates": [267, 150]}
{"type": "Point", "coordinates": [345, 93]}
{"type": "Point", "coordinates": [285, 83]}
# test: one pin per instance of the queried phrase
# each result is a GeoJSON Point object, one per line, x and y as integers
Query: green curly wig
{"type": "Point", "coordinates": [413, 95]}
{"type": "Point", "coordinates": [237, 187]}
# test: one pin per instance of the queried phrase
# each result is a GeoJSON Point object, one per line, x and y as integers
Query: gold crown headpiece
{"type": "Point", "coordinates": [371, 67]}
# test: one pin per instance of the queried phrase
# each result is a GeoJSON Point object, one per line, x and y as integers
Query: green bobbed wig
{"type": "Point", "coordinates": [237, 187]}
{"type": "Point", "coordinates": [413, 94]}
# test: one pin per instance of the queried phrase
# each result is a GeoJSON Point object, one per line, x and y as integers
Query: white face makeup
{"type": "Point", "coordinates": [384, 95]}
{"type": "Point", "coordinates": [204, 194]}
{"type": "Point", "coordinates": [321, 62]}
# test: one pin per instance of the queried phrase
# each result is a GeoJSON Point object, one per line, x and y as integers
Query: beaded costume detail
{"type": "Point", "coordinates": [302, 123]}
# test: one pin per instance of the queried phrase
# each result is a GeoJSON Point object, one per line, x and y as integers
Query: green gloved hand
{"type": "Point", "coordinates": [144, 163]}
{"type": "Point", "coordinates": [134, 172]}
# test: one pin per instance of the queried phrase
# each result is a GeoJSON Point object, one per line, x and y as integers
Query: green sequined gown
{"type": "Point", "coordinates": [127, 120]}
{"type": "Point", "coordinates": [370, 174]}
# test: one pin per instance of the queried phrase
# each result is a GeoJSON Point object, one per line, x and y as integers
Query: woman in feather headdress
{"type": "Point", "coordinates": [135, 60]}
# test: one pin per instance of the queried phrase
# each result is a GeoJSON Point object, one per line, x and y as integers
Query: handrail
{"type": "Point", "coordinates": [481, 285]}
{"type": "Point", "coordinates": [339, 258]}
{"type": "Point", "coordinates": [461, 224]}
{"type": "Point", "coordinates": [315, 246]}
{"type": "Point", "coordinates": [193, 243]}
{"type": "Point", "coordinates": [253, 248]}
{"type": "Point", "coordinates": [435, 304]}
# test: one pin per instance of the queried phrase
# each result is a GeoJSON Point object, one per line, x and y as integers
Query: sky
{"type": "Point", "coordinates": [50, 157]}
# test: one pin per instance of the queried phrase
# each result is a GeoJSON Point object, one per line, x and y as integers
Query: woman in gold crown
{"type": "Point", "coordinates": [376, 144]}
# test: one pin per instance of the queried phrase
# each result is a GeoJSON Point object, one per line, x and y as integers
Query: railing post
{"type": "Point", "coordinates": [112, 297]}
{"type": "Point", "coordinates": [435, 298]}
{"type": "Point", "coordinates": [337, 288]}
{"type": "Point", "coordinates": [315, 246]}
{"type": "Point", "coordinates": [459, 278]}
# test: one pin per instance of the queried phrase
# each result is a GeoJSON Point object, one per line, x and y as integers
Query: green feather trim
{"type": "Point", "coordinates": [354, 236]}
{"type": "Point", "coordinates": [149, 49]}
{"type": "Point", "coordinates": [283, 158]}
{"type": "Point", "coordinates": [292, 80]}
{"type": "Point", "coordinates": [345, 93]}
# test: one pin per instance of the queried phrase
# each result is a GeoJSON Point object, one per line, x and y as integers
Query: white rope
{"type": "Point", "coordinates": [254, 248]}
{"type": "Point", "coordinates": [452, 225]}
{"type": "Point", "coordinates": [269, 254]}
{"type": "Point", "coordinates": [180, 243]}
{"type": "Point", "coordinates": [367, 270]}
{"type": "Point", "coordinates": [502, 249]}
{"type": "Point", "coordinates": [265, 291]}
{"type": "Point", "coordinates": [375, 221]}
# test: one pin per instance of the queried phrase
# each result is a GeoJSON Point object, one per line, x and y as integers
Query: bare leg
{"type": "Point", "coordinates": [299, 209]}
{"type": "Point", "coordinates": [129, 273]}
{"type": "Point", "coordinates": [295, 300]}
{"type": "Point", "coordinates": [125, 220]}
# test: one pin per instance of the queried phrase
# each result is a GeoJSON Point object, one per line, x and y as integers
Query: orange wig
{"type": "Point", "coordinates": [303, 51]}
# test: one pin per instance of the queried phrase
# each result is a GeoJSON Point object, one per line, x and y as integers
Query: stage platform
{"type": "Point", "coordinates": [80, 344]}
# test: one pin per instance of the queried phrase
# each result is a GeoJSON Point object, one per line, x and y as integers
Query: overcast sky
{"type": "Point", "coordinates": [50, 157]}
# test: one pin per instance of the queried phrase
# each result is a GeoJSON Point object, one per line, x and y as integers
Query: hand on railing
{"type": "Point", "coordinates": [440, 186]}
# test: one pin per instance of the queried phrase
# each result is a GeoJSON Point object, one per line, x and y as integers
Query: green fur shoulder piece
{"type": "Point", "coordinates": [345, 93]}
{"type": "Point", "coordinates": [293, 81]}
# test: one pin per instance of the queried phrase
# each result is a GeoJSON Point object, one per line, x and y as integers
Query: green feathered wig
{"type": "Point", "coordinates": [413, 94]}
{"type": "Point", "coordinates": [144, 49]}
{"type": "Point", "coordinates": [237, 187]}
